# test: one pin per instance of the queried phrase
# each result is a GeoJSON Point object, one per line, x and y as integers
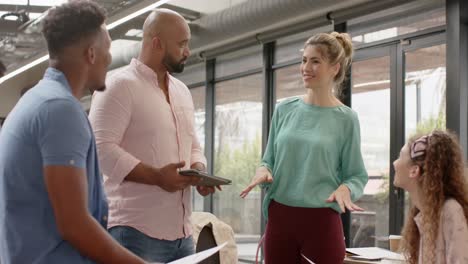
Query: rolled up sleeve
{"type": "Point", "coordinates": [197, 153]}
{"type": "Point", "coordinates": [110, 115]}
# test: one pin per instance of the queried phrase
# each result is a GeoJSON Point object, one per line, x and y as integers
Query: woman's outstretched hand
{"type": "Point", "coordinates": [342, 197]}
{"type": "Point", "coordinates": [262, 175]}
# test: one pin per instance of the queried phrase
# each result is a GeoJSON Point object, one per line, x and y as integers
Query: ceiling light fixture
{"type": "Point", "coordinates": [23, 68]}
{"type": "Point", "coordinates": [109, 27]}
{"type": "Point", "coordinates": [135, 14]}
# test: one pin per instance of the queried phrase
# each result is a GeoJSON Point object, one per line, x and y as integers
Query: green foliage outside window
{"type": "Point", "coordinates": [239, 164]}
{"type": "Point", "coordinates": [424, 127]}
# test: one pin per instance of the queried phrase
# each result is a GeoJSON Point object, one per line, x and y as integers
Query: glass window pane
{"type": "Point", "coordinates": [192, 74]}
{"type": "Point", "coordinates": [238, 130]}
{"type": "Point", "coordinates": [239, 61]}
{"type": "Point", "coordinates": [425, 90]}
{"type": "Point", "coordinates": [289, 48]}
{"type": "Point", "coordinates": [383, 25]}
{"type": "Point", "coordinates": [425, 93]}
{"type": "Point", "coordinates": [371, 101]}
{"type": "Point", "coordinates": [288, 82]}
{"type": "Point", "coordinates": [199, 96]}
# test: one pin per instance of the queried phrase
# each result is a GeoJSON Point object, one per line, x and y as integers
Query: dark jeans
{"type": "Point", "coordinates": [152, 249]}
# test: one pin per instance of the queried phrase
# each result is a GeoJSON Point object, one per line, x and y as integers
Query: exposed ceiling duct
{"type": "Point", "coordinates": [245, 24]}
{"type": "Point", "coordinates": [20, 37]}
{"type": "Point", "coordinates": [26, 47]}
{"type": "Point", "coordinates": [261, 20]}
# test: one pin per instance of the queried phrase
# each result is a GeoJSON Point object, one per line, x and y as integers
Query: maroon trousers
{"type": "Point", "coordinates": [291, 232]}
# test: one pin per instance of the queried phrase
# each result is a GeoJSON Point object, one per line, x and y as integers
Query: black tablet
{"type": "Point", "coordinates": [207, 180]}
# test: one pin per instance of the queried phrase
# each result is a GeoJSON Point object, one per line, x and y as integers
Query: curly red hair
{"type": "Point", "coordinates": [442, 178]}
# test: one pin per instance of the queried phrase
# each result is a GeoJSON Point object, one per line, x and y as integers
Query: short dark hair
{"type": "Point", "coordinates": [69, 23]}
{"type": "Point", "coordinates": [2, 69]}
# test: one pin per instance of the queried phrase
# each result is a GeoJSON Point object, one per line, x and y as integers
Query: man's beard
{"type": "Point", "coordinates": [172, 65]}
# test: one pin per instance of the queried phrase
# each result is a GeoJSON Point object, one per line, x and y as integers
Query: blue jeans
{"type": "Point", "coordinates": [152, 249]}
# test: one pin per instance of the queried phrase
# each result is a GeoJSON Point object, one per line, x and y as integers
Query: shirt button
{"type": "Point", "coordinates": [104, 218]}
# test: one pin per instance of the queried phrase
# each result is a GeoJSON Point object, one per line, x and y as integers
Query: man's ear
{"type": "Point", "coordinates": [91, 55]}
{"type": "Point", "coordinates": [415, 171]}
{"type": "Point", "coordinates": [156, 43]}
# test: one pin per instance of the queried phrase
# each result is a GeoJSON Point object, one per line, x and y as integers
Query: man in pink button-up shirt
{"type": "Point", "coordinates": [144, 128]}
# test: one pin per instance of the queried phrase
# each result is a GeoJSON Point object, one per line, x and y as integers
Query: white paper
{"type": "Point", "coordinates": [196, 258]}
{"type": "Point", "coordinates": [310, 261]}
{"type": "Point", "coordinates": [391, 261]}
{"type": "Point", "coordinates": [373, 253]}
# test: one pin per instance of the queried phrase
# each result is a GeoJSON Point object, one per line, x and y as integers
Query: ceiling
{"type": "Point", "coordinates": [20, 36]}
{"type": "Point", "coordinates": [218, 27]}
{"type": "Point", "coordinates": [21, 41]}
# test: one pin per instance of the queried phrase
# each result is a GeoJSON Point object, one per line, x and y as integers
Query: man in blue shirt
{"type": "Point", "coordinates": [52, 205]}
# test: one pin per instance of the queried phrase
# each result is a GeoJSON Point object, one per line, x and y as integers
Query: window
{"type": "Point", "coordinates": [425, 89]}
{"type": "Point", "coordinates": [199, 95]}
{"type": "Point", "coordinates": [193, 74]}
{"type": "Point", "coordinates": [238, 130]}
{"type": "Point", "coordinates": [425, 92]}
{"type": "Point", "coordinates": [289, 48]}
{"type": "Point", "coordinates": [384, 25]}
{"type": "Point", "coordinates": [371, 101]}
{"type": "Point", "coordinates": [288, 82]}
{"type": "Point", "coordinates": [239, 61]}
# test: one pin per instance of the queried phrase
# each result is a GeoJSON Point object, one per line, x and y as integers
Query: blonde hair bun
{"type": "Point", "coordinates": [345, 40]}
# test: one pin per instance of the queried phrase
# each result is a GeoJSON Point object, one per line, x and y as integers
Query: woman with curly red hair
{"type": "Point", "coordinates": [431, 169]}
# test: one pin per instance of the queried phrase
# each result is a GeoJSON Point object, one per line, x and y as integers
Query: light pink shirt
{"type": "Point", "coordinates": [133, 123]}
{"type": "Point", "coordinates": [452, 238]}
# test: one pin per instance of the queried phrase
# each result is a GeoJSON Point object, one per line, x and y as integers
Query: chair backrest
{"type": "Point", "coordinates": [217, 232]}
{"type": "Point", "coordinates": [205, 241]}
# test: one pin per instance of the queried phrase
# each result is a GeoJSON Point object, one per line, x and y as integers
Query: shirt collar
{"type": "Point", "coordinates": [147, 71]}
{"type": "Point", "coordinates": [57, 75]}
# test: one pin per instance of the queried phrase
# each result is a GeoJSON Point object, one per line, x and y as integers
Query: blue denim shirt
{"type": "Point", "coordinates": [47, 127]}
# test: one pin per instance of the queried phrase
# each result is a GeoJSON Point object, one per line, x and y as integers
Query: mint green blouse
{"type": "Point", "coordinates": [311, 151]}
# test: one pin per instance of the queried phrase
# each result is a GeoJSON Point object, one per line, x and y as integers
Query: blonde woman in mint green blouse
{"type": "Point", "coordinates": [312, 167]}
